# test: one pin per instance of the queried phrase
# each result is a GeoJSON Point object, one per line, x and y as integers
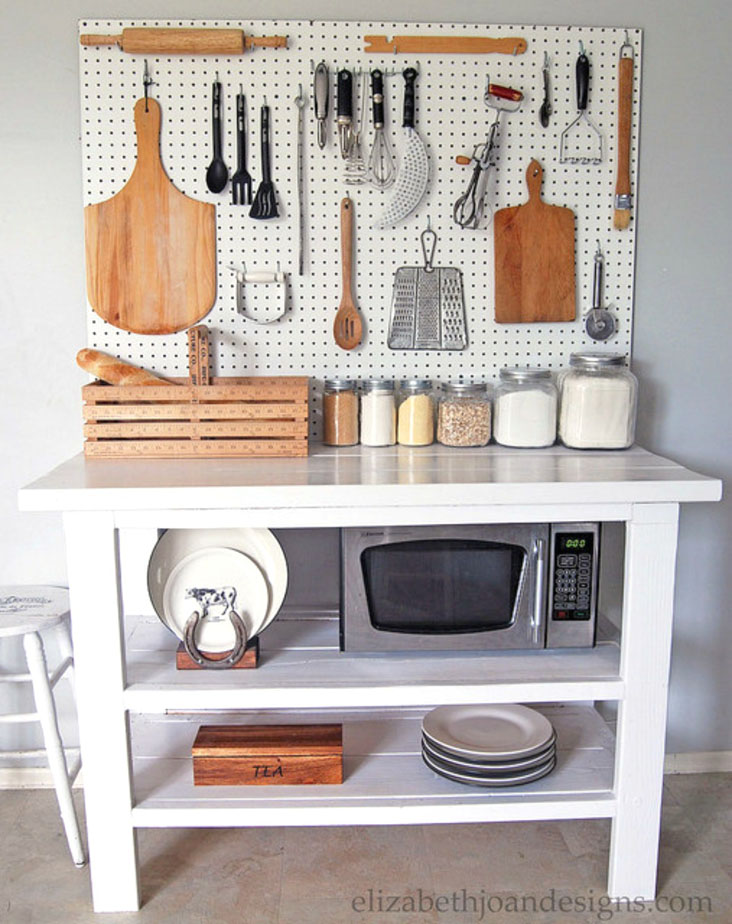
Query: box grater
{"type": "Point", "coordinates": [428, 308]}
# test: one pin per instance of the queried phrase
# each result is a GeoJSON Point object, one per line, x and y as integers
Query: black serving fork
{"type": "Point", "coordinates": [241, 181]}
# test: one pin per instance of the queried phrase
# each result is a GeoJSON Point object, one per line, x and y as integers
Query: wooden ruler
{"type": "Point", "coordinates": [444, 45]}
{"type": "Point", "coordinates": [198, 355]}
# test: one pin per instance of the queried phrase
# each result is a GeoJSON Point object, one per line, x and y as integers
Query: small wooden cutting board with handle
{"type": "Point", "coordinates": [534, 259]}
{"type": "Point", "coordinates": [150, 250]}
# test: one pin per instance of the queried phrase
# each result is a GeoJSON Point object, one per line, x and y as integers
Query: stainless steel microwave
{"type": "Point", "coordinates": [492, 587]}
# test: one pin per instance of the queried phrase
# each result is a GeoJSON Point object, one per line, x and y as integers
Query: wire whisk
{"type": "Point", "coordinates": [381, 168]}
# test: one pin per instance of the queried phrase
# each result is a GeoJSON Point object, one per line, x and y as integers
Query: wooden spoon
{"type": "Point", "coordinates": [347, 327]}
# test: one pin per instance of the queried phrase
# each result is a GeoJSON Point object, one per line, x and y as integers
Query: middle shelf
{"type": "Point", "coordinates": [301, 666]}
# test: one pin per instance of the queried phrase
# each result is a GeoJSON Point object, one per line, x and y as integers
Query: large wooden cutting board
{"type": "Point", "coordinates": [150, 250]}
{"type": "Point", "coordinates": [534, 259]}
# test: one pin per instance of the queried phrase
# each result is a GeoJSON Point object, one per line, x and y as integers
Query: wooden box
{"type": "Point", "coordinates": [240, 755]}
{"type": "Point", "coordinates": [248, 416]}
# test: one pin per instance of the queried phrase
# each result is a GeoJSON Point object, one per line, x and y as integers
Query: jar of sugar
{"type": "Point", "coordinates": [598, 402]}
{"type": "Point", "coordinates": [525, 408]}
{"type": "Point", "coordinates": [340, 412]}
{"type": "Point", "coordinates": [378, 413]}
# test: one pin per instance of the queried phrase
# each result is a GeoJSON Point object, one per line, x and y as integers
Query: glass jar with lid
{"type": "Point", "coordinates": [378, 413]}
{"type": "Point", "coordinates": [340, 412]}
{"type": "Point", "coordinates": [525, 408]}
{"type": "Point", "coordinates": [464, 415]}
{"type": "Point", "coordinates": [416, 419]}
{"type": "Point", "coordinates": [598, 402]}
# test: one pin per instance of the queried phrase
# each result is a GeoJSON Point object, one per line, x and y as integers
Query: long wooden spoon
{"type": "Point", "coordinates": [347, 327]}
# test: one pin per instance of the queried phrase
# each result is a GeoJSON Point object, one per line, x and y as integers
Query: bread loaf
{"type": "Point", "coordinates": [116, 371]}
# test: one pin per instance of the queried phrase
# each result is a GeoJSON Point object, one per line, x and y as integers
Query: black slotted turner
{"type": "Point", "coordinates": [265, 201]}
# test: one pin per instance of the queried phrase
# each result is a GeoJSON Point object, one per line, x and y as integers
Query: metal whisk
{"type": "Point", "coordinates": [381, 168]}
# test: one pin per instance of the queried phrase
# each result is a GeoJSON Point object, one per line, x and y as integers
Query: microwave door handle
{"type": "Point", "coordinates": [538, 615]}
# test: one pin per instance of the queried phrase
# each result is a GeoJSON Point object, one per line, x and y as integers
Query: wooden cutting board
{"type": "Point", "coordinates": [150, 250]}
{"type": "Point", "coordinates": [534, 259]}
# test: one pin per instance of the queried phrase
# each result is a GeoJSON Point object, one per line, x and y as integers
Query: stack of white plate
{"type": "Point", "coordinates": [488, 745]}
{"type": "Point", "coordinates": [241, 569]}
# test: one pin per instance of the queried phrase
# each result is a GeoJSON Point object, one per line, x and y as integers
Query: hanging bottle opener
{"type": "Point", "coordinates": [262, 277]}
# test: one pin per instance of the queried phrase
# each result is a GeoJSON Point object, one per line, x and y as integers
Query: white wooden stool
{"type": "Point", "coordinates": [27, 611]}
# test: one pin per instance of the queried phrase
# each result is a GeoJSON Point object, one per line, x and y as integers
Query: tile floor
{"type": "Point", "coordinates": [313, 876]}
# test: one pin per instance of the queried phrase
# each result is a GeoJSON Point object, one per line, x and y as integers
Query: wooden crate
{"type": "Point", "coordinates": [248, 416]}
{"type": "Point", "coordinates": [267, 755]}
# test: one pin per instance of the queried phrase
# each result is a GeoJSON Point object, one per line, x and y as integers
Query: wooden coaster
{"type": "Point", "coordinates": [250, 658]}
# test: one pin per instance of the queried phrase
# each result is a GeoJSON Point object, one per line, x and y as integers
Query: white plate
{"type": "Point", "coordinates": [518, 780]}
{"type": "Point", "coordinates": [258, 544]}
{"type": "Point", "coordinates": [460, 764]}
{"type": "Point", "coordinates": [498, 732]}
{"type": "Point", "coordinates": [215, 581]}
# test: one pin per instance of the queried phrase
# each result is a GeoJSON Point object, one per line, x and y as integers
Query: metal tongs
{"type": "Point", "coordinates": [470, 209]}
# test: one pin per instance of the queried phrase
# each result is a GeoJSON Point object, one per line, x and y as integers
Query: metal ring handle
{"type": "Point", "coordinates": [189, 642]}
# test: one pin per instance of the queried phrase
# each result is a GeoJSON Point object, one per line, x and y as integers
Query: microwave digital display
{"type": "Point", "coordinates": [442, 586]}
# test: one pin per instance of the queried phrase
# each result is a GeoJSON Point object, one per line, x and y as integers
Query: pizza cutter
{"type": "Point", "coordinates": [599, 323]}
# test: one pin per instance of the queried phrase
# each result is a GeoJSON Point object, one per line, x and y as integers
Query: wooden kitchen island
{"type": "Point", "coordinates": [136, 754]}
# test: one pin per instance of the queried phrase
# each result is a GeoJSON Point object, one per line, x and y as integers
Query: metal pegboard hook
{"type": "Point", "coordinates": [626, 49]}
{"type": "Point", "coordinates": [147, 82]}
{"type": "Point", "coordinates": [428, 239]}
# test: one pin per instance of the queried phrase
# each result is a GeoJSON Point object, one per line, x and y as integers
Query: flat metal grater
{"type": "Point", "coordinates": [428, 308]}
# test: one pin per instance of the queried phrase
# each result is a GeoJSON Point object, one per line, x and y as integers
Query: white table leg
{"type": "Point", "coordinates": [46, 707]}
{"type": "Point", "coordinates": [96, 622]}
{"type": "Point", "coordinates": [650, 562]}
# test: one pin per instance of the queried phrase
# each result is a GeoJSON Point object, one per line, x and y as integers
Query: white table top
{"type": "Point", "coordinates": [361, 476]}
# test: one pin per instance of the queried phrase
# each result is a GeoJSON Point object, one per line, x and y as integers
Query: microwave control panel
{"type": "Point", "coordinates": [573, 584]}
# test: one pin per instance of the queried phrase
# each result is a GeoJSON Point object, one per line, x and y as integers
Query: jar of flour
{"type": "Point", "coordinates": [525, 408]}
{"type": "Point", "coordinates": [598, 402]}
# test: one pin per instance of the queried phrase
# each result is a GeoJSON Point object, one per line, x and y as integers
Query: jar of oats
{"type": "Point", "coordinates": [464, 415]}
{"type": "Point", "coordinates": [340, 412]}
{"type": "Point", "coordinates": [416, 419]}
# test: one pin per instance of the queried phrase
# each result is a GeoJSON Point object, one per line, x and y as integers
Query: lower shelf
{"type": "Point", "coordinates": [385, 780]}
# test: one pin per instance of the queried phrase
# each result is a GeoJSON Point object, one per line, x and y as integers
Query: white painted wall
{"type": "Point", "coordinates": [683, 317]}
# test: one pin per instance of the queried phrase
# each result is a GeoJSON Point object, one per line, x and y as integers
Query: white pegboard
{"type": "Point", "coordinates": [451, 118]}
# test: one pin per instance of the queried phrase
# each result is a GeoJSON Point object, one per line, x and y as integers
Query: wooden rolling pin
{"type": "Point", "coordinates": [186, 41]}
{"type": "Point", "coordinates": [116, 371]}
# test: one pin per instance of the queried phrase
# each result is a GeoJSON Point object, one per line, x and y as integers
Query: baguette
{"type": "Point", "coordinates": [116, 371]}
